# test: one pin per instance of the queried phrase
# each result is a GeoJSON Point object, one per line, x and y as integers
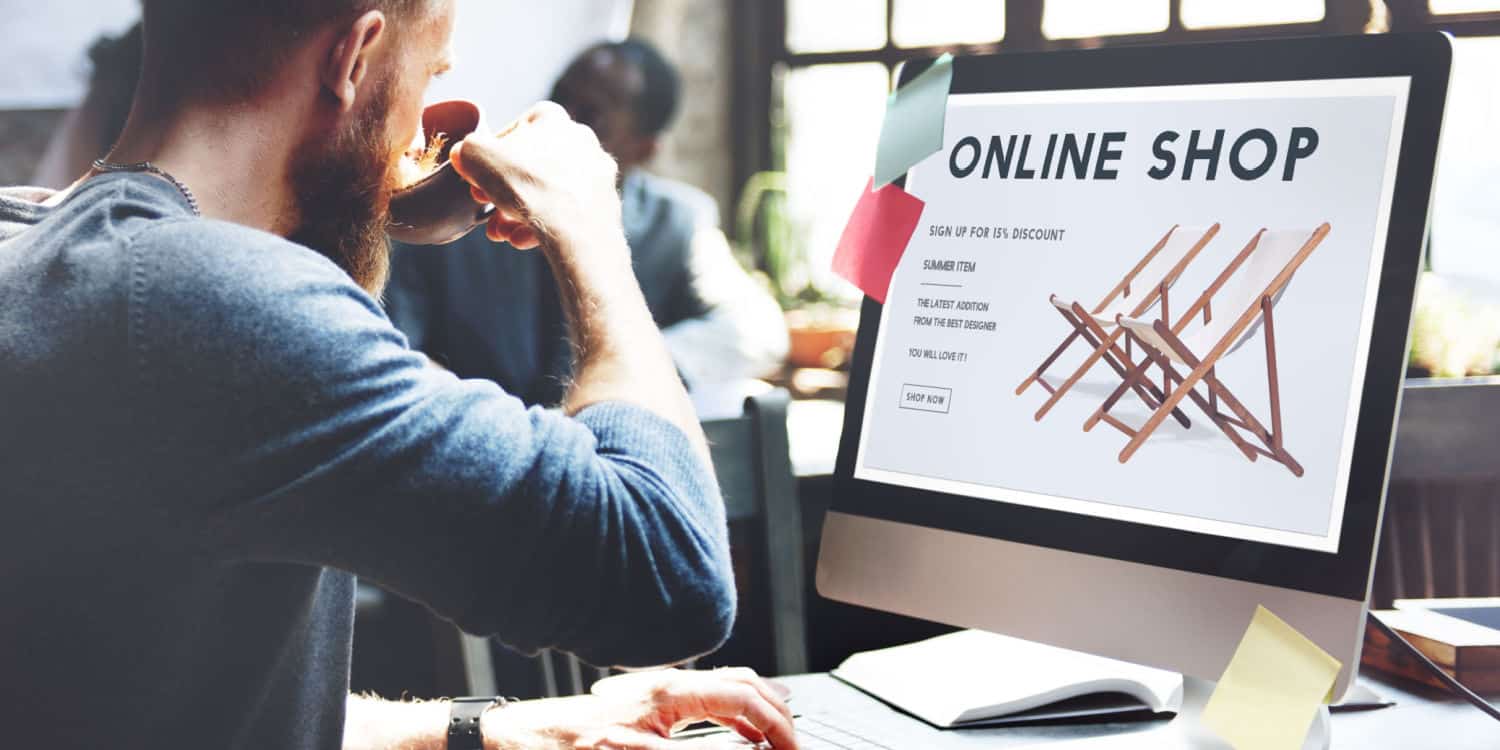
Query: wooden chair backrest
{"type": "Point", "coordinates": [1242, 300]}
{"type": "Point", "coordinates": [1163, 264]}
{"type": "Point", "coordinates": [1265, 275]}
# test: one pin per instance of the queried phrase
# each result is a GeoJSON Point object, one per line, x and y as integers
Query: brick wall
{"type": "Point", "coordinates": [23, 138]}
{"type": "Point", "coordinates": [694, 35]}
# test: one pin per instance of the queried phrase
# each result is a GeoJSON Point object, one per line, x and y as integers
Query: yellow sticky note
{"type": "Point", "coordinates": [1273, 686]}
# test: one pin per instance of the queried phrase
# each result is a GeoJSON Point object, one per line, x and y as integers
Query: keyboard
{"type": "Point", "coordinates": [824, 732]}
{"type": "Point", "coordinates": [814, 732]}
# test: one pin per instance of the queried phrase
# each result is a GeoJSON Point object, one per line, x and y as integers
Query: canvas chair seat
{"type": "Point", "coordinates": [1239, 304]}
{"type": "Point", "coordinates": [1107, 319]}
{"type": "Point", "coordinates": [1104, 320]}
{"type": "Point", "coordinates": [1143, 289]}
{"type": "Point", "coordinates": [1273, 252]}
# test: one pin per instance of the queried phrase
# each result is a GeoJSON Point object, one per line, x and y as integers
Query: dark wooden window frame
{"type": "Point", "coordinates": [760, 51]}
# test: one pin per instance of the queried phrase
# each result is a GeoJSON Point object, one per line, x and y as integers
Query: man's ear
{"type": "Point", "coordinates": [349, 59]}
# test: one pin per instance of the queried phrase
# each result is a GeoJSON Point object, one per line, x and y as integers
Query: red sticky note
{"type": "Point", "coordinates": [876, 238]}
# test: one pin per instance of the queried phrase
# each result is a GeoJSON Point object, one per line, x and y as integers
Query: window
{"type": "Point", "coordinates": [830, 71]}
{"type": "Point", "coordinates": [834, 25]}
{"type": "Point", "coordinates": [1465, 219]}
{"type": "Point", "coordinates": [833, 117]}
{"type": "Point", "coordinates": [1208, 14]}
{"type": "Point", "coordinates": [1073, 19]}
{"type": "Point", "coordinates": [838, 63]}
{"type": "Point", "coordinates": [1462, 6]}
{"type": "Point", "coordinates": [923, 23]}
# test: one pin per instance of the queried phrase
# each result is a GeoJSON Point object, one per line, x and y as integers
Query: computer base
{"type": "Point", "coordinates": [1186, 732]}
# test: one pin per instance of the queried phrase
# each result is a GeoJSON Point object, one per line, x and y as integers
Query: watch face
{"type": "Point", "coordinates": [463, 722]}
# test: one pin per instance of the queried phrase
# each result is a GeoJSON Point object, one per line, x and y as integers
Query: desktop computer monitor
{"type": "Point", "coordinates": [1138, 369]}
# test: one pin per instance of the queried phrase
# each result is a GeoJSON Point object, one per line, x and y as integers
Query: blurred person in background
{"type": "Point", "coordinates": [483, 310]}
{"type": "Point", "coordinates": [219, 427]}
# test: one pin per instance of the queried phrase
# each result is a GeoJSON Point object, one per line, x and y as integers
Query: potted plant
{"type": "Point", "coordinates": [1454, 334]}
{"type": "Point", "coordinates": [820, 324]}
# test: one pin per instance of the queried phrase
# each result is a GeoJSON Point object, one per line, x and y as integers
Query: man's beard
{"type": "Point", "coordinates": [343, 193]}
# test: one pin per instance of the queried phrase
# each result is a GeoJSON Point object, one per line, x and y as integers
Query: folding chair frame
{"type": "Point", "coordinates": [1105, 343]}
{"type": "Point", "coordinates": [1105, 348]}
{"type": "Point", "coordinates": [1202, 370]}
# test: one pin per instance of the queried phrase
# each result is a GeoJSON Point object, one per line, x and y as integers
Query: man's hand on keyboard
{"type": "Point", "coordinates": [639, 711]}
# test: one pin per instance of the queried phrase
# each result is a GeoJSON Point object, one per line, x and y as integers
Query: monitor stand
{"type": "Point", "coordinates": [1186, 731]}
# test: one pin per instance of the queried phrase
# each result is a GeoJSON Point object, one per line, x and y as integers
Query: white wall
{"type": "Point", "coordinates": [508, 51]}
{"type": "Point", "coordinates": [43, 46]}
{"type": "Point", "coordinates": [695, 35]}
{"type": "Point", "coordinates": [1465, 220]}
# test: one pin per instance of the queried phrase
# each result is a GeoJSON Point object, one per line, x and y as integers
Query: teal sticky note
{"type": "Point", "coordinates": [913, 126]}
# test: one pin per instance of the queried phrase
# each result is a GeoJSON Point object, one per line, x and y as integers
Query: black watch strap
{"type": "Point", "coordinates": [463, 722]}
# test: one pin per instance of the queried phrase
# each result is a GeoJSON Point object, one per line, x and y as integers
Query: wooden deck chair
{"type": "Point", "coordinates": [1247, 290]}
{"type": "Point", "coordinates": [1144, 287]}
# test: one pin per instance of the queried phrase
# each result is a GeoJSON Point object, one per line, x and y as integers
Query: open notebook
{"type": "Point", "coordinates": [974, 678]}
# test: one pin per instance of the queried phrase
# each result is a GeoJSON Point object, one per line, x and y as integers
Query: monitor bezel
{"type": "Point", "coordinates": [1425, 59]}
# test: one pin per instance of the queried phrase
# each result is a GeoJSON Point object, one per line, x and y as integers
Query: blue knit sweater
{"type": "Point", "coordinates": [207, 431]}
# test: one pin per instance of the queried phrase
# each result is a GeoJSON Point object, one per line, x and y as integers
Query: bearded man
{"type": "Point", "coordinates": [208, 427]}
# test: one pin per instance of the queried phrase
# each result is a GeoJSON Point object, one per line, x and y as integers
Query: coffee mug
{"type": "Point", "coordinates": [439, 208]}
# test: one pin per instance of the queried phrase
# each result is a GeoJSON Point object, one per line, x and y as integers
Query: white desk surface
{"type": "Point", "coordinates": [1423, 719]}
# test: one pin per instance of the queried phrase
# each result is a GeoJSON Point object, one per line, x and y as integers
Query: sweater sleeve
{"type": "Point", "coordinates": [303, 430]}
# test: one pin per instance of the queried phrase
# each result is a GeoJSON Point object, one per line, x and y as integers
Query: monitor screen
{"type": "Point", "coordinates": [1152, 305]}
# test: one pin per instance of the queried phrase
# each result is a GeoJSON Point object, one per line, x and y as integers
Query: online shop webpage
{"type": "Point", "coordinates": [1054, 222]}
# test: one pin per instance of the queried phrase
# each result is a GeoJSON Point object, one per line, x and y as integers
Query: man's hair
{"type": "Point", "coordinates": [229, 49]}
{"type": "Point", "coordinates": [661, 89]}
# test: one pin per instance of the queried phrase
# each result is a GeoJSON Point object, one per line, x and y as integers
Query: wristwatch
{"type": "Point", "coordinates": [463, 721]}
